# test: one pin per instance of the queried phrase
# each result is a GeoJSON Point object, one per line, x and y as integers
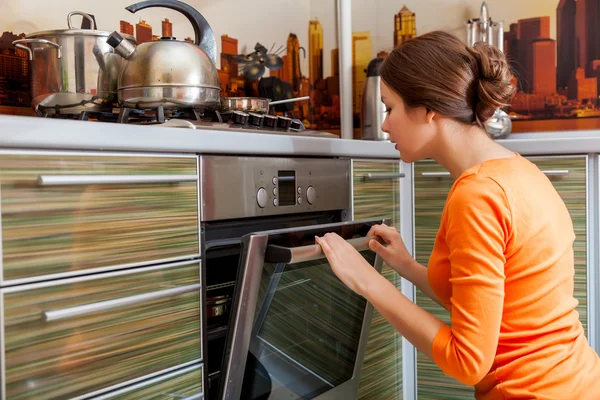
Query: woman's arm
{"type": "Point", "coordinates": [416, 273]}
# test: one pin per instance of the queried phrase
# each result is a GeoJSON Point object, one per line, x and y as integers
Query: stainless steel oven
{"type": "Point", "coordinates": [291, 329]}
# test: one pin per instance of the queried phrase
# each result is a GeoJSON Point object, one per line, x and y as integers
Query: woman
{"type": "Point", "coordinates": [503, 261]}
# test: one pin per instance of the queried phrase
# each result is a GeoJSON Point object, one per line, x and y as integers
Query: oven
{"type": "Point", "coordinates": [279, 323]}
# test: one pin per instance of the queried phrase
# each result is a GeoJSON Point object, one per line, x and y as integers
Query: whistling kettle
{"type": "Point", "coordinates": [168, 72]}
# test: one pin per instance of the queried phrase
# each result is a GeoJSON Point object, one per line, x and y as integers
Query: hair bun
{"type": "Point", "coordinates": [494, 87]}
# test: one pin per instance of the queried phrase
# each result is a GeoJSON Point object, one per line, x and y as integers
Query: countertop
{"type": "Point", "coordinates": [40, 133]}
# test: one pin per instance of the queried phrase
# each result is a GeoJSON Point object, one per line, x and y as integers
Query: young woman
{"type": "Point", "coordinates": [503, 261]}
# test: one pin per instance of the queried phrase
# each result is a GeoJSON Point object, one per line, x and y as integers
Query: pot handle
{"type": "Point", "coordinates": [205, 38]}
{"type": "Point", "coordinates": [19, 44]}
{"type": "Point", "coordinates": [84, 15]}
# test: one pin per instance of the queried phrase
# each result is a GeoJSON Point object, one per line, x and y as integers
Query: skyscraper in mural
{"type": "Point", "coordinates": [565, 27]}
{"type": "Point", "coordinates": [315, 51]}
{"type": "Point", "coordinates": [126, 27]}
{"type": "Point", "coordinates": [292, 62]}
{"type": "Point", "coordinates": [167, 28]}
{"type": "Point", "coordinates": [143, 32]}
{"type": "Point", "coordinates": [362, 50]}
{"type": "Point", "coordinates": [405, 26]}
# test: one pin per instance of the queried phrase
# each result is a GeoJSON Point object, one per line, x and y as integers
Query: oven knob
{"type": "Point", "coordinates": [270, 121]}
{"type": "Point", "coordinates": [297, 125]}
{"type": "Point", "coordinates": [284, 122]}
{"type": "Point", "coordinates": [311, 195]}
{"type": "Point", "coordinates": [239, 118]}
{"type": "Point", "coordinates": [262, 197]}
{"type": "Point", "coordinates": [255, 119]}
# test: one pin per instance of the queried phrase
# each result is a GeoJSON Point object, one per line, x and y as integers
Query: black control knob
{"type": "Point", "coordinates": [284, 122]}
{"type": "Point", "coordinates": [297, 125]}
{"type": "Point", "coordinates": [255, 119]}
{"type": "Point", "coordinates": [270, 121]}
{"type": "Point", "coordinates": [239, 118]}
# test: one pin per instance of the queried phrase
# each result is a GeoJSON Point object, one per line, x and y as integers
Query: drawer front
{"type": "Point", "coordinates": [63, 213]}
{"type": "Point", "coordinates": [381, 375]}
{"type": "Point", "coordinates": [432, 184]}
{"type": "Point", "coordinates": [85, 334]}
{"type": "Point", "coordinates": [185, 383]}
{"type": "Point", "coordinates": [568, 175]}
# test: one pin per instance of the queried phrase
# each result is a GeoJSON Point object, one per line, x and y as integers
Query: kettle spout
{"type": "Point", "coordinates": [122, 47]}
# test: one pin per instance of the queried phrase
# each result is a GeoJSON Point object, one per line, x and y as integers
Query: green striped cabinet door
{"type": "Point", "coordinates": [381, 376]}
{"type": "Point", "coordinates": [568, 175]}
{"type": "Point", "coordinates": [432, 184]}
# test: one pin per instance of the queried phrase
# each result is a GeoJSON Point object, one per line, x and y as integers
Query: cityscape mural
{"type": "Point", "coordinates": [554, 50]}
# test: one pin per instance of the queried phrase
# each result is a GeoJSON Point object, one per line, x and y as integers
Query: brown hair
{"type": "Point", "coordinates": [439, 72]}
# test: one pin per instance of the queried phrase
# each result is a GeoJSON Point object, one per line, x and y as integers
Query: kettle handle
{"type": "Point", "coordinates": [205, 38]}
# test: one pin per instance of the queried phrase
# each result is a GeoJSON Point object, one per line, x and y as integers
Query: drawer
{"type": "Point", "coordinates": [185, 383]}
{"type": "Point", "coordinates": [65, 213]}
{"type": "Point", "coordinates": [376, 190]}
{"type": "Point", "coordinates": [75, 336]}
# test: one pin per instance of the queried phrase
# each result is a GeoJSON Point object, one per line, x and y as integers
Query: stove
{"type": "Point", "coordinates": [186, 118]}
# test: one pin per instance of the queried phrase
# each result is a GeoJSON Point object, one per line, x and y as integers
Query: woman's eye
{"type": "Point", "coordinates": [387, 110]}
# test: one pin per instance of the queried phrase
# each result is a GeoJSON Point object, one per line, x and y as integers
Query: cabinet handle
{"type": "Point", "coordinates": [393, 175]}
{"type": "Point", "coordinates": [441, 174]}
{"type": "Point", "coordinates": [556, 172]}
{"type": "Point", "coordinates": [61, 180]}
{"type": "Point", "coordinates": [55, 315]}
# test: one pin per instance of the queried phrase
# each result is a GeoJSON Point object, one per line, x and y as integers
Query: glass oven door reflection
{"type": "Point", "coordinates": [307, 330]}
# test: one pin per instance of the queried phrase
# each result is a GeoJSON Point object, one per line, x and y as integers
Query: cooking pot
{"type": "Point", "coordinates": [72, 70]}
{"type": "Point", "coordinates": [168, 72]}
{"type": "Point", "coordinates": [217, 306]}
{"type": "Point", "coordinates": [257, 105]}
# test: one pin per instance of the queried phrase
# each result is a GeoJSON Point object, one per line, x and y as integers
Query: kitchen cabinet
{"type": "Point", "coordinates": [67, 213]}
{"type": "Point", "coordinates": [376, 194]}
{"type": "Point", "coordinates": [184, 383]}
{"type": "Point", "coordinates": [75, 336]}
{"type": "Point", "coordinates": [431, 186]}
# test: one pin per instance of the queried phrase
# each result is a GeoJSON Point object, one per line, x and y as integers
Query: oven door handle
{"type": "Point", "coordinates": [293, 255]}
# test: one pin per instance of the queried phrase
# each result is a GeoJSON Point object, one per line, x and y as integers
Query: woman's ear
{"type": "Point", "coordinates": [430, 115]}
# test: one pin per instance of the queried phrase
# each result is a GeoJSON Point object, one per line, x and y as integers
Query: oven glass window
{"type": "Point", "coordinates": [306, 332]}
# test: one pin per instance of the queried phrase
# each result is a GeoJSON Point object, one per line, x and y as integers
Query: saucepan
{"type": "Point", "coordinates": [216, 306]}
{"type": "Point", "coordinates": [259, 105]}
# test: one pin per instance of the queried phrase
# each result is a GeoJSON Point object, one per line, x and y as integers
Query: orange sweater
{"type": "Point", "coordinates": [503, 265]}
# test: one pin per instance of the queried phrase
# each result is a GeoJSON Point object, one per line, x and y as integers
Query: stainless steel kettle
{"type": "Point", "coordinates": [168, 72]}
{"type": "Point", "coordinates": [372, 108]}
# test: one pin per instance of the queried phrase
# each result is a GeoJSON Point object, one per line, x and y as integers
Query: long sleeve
{"type": "Point", "coordinates": [477, 227]}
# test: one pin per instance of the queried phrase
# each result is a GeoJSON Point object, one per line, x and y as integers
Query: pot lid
{"type": "Point", "coordinates": [76, 32]}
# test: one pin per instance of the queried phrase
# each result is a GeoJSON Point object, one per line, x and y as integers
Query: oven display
{"type": "Point", "coordinates": [287, 188]}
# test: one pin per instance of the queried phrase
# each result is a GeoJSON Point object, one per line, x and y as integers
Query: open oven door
{"type": "Point", "coordinates": [298, 331]}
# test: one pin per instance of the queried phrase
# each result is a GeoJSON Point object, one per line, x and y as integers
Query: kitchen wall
{"type": "Point", "coordinates": [269, 22]}
{"type": "Point", "coordinates": [558, 82]}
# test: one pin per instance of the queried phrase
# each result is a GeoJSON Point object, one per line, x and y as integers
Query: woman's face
{"type": "Point", "coordinates": [411, 130]}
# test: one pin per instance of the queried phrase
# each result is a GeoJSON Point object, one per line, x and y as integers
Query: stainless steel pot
{"type": "Point", "coordinates": [168, 72]}
{"type": "Point", "coordinates": [259, 105]}
{"type": "Point", "coordinates": [72, 70]}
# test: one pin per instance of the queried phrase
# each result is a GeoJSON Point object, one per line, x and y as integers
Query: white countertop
{"type": "Point", "coordinates": [41, 133]}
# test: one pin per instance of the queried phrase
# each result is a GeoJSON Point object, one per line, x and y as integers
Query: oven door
{"type": "Point", "coordinates": [298, 331]}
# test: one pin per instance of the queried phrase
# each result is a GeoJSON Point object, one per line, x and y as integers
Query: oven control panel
{"type": "Point", "coordinates": [244, 187]}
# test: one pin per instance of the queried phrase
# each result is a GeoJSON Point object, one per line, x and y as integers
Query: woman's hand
{"type": "Point", "coordinates": [347, 263]}
{"type": "Point", "coordinates": [394, 253]}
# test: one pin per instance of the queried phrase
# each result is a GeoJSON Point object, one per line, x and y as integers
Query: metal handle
{"type": "Point", "coordinates": [293, 255]}
{"type": "Point", "coordinates": [274, 103]}
{"type": "Point", "coordinates": [61, 180]}
{"type": "Point", "coordinates": [435, 174]}
{"type": "Point", "coordinates": [384, 176]}
{"type": "Point", "coordinates": [76, 311]}
{"type": "Point", "coordinates": [84, 15]}
{"type": "Point", "coordinates": [19, 44]}
{"type": "Point", "coordinates": [556, 172]}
